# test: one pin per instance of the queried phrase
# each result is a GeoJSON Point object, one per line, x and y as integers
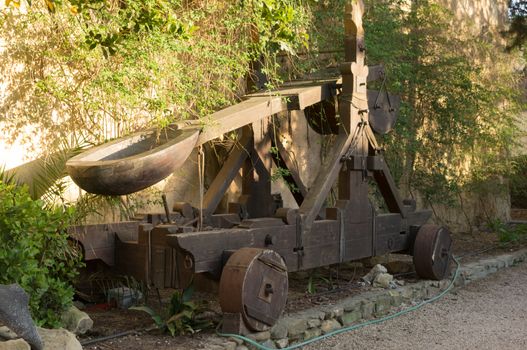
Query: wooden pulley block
{"type": "Point", "coordinates": [322, 117]}
{"type": "Point", "coordinates": [432, 252]}
{"type": "Point", "coordinates": [383, 109]}
{"type": "Point", "coordinates": [253, 287]}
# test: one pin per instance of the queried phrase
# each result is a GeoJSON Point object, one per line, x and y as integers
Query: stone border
{"type": "Point", "coordinates": [303, 325]}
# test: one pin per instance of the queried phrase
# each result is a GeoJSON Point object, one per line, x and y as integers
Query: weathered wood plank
{"type": "Point", "coordinates": [228, 172]}
{"type": "Point", "coordinates": [261, 105]}
{"type": "Point", "coordinates": [98, 240]}
{"type": "Point", "coordinates": [387, 187]}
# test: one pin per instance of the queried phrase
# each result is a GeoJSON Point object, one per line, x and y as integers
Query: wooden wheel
{"type": "Point", "coordinates": [254, 285]}
{"type": "Point", "coordinates": [432, 251]}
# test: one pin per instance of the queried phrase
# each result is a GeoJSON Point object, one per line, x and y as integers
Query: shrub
{"type": "Point", "coordinates": [35, 252]}
{"type": "Point", "coordinates": [518, 182]}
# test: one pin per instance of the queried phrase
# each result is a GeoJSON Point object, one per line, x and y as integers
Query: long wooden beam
{"type": "Point", "coordinates": [228, 172]}
{"type": "Point", "coordinates": [292, 96]}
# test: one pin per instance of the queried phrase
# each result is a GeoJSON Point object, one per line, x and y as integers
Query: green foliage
{"type": "Point", "coordinates": [317, 279]}
{"type": "Point", "coordinates": [518, 182]}
{"type": "Point", "coordinates": [94, 69]}
{"type": "Point", "coordinates": [36, 252]}
{"type": "Point", "coordinates": [457, 122]}
{"type": "Point", "coordinates": [507, 233]}
{"type": "Point", "coordinates": [181, 318]}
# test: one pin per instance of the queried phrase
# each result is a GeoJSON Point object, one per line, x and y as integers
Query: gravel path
{"type": "Point", "coordinates": [487, 314]}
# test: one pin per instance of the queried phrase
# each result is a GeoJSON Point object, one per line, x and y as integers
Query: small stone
{"type": "Point", "coordinates": [54, 339]}
{"type": "Point", "coordinates": [350, 317]}
{"type": "Point", "coordinates": [79, 304]}
{"type": "Point", "coordinates": [282, 343]}
{"type": "Point", "coordinates": [397, 299]}
{"type": "Point", "coordinates": [444, 284]}
{"type": "Point", "coordinates": [407, 293]}
{"type": "Point", "coordinates": [279, 331]}
{"type": "Point", "coordinates": [242, 347]}
{"type": "Point", "coordinates": [313, 313]}
{"type": "Point", "coordinates": [312, 333]}
{"type": "Point", "coordinates": [376, 270]}
{"type": "Point", "coordinates": [7, 334]}
{"type": "Point", "coordinates": [383, 304]}
{"type": "Point", "coordinates": [330, 325]}
{"type": "Point", "coordinates": [352, 305]}
{"type": "Point", "coordinates": [383, 280]}
{"type": "Point", "coordinates": [260, 336]}
{"type": "Point", "coordinates": [15, 344]}
{"type": "Point", "coordinates": [296, 327]}
{"type": "Point", "coordinates": [312, 323]}
{"type": "Point", "coordinates": [124, 297]}
{"type": "Point", "coordinates": [367, 308]}
{"type": "Point", "coordinates": [399, 266]}
{"type": "Point", "coordinates": [269, 344]}
{"type": "Point", "coordinates": [334, 312]}
{"type": "Point", "coordinates": [236, 340]}
{"type": "Point", "coordinates": [76, 321]}
{"type": "Point", "coordinates": [230, 345]}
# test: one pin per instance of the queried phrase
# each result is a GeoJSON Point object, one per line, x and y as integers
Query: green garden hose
{"type": "Point", "coordinates": [357, 326]}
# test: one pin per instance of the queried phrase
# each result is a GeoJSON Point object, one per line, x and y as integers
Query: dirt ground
{"type": "Point", "coordinates": [328, 285]}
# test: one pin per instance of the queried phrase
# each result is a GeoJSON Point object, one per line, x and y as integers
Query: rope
{"type": "Point", "coordinates": [201, 176]}
{"type": "Point", "coordinates": [357, 326]}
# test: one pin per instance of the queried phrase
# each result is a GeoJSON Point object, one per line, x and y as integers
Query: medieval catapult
{"type": "Point", "coordinates": [254, 245]}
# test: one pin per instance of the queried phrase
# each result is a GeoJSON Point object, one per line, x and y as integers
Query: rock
{"type": "Point", "coordinates": [79, 304]}
{"type": "Point", "coordinates": [334, 312]}
{"type": "Point", "coordinates": [15, 344]}
{"type": "Point", "coordinates": [352, 305]}
{"type": "Point", "coordinates": [350, 317]}
{"type": "Point", "coordinates": [394, 267]}
{"type": "Point", "coordinates": [124, 297]}
{"type": "Point", "coordinates": [230, 345]}
{"type": "Point", "coordinates": [383, 305]}
{"type": "Point", "coordinates": [397, 299]}
{"type": "Point", "coordinates": [76, 321]}
{"type": "Point", "coordinates": [269, 344]}
{"type": "Point", "coordinates": [312, 323]}
{"type": "Point", "coordinates": [407, 293]}
{"type": "Point", "coordinates": [55, 339]}
{"type": "Point", "coordinates": [330, 325]}
{"type": "Point", "coordinates": [296, 327]}
{"type": "Point", "coordinates": [279, 331]}
{"type": "Point", "coordinates": [242, 347]}
{"type": "Point", "coordinates": [14, 313]}
{"type": "Point", "coordinates": [282, 343]}
{"type": "Point", "coordinates": [312, 333]}
{"type": "Point", "coordinates": [7, 334]}
{"type": "Point", "coordinates": [370, 276]}
{"type": "Point", "coordinates": [260, 336]}
{"type": "Point", "coordinates": [236, 340]}
{"type": "Point", "coordinates": [367, 308]}
{"type": "Point", "coordinates": [383, 280]}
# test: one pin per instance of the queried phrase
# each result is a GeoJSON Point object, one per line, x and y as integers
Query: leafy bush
{"type": "Point", "coordinates": [508, 233]}
{"type": "Point", "coordinates": [35, 252]}
{"type": "Point", "coordinates": [518, 182]}
{"type": "Point", "coordinates": [182, 317]}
